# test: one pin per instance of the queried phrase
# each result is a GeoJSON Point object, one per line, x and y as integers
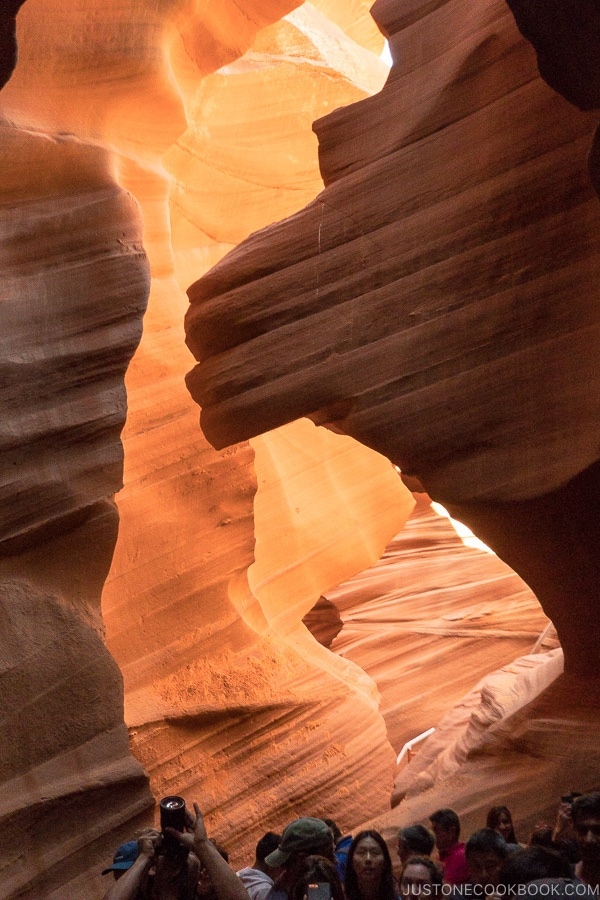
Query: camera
{"type": "Point", "coordinates": [172, 815]}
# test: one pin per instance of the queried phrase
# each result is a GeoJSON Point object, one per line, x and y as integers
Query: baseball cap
{"type": "Point", "coordinates": [305, 835]}
{"type": "Point", "coordinates": [124, 858]}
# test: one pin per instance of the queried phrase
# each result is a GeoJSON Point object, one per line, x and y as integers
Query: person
{"type": "Point", "coordinates": [341, 846]}
{"type": "Point", "coordinates": [531, 864]}
{"type": "Point", "coordinates": [585, 815]}
{"type": "Point", "coordinates": [445, 825]}
{"type": "Point", "coordinates": [303, 837]}
{"type": "Point", "coordinates": [499, 819]}
{"type": "Point", "coordinates": [485, 853]}
{"type": "Point", "coordinates": [205, 888]}
{"type": "Point", "coordinates": [258, 878]}
{"type": "Point", "coordinates": [369, 871]}
{"type": "Point", "coordinates": [541, 836]}
{"type": "Point", "coordinates": [316, 870]}
{"type": "Point", "coordinates": [415, 840]}
{"type": "Point", "coordinates": [419, 871]}
{"type": "Point", "coordinates": [564, 838]}
{"type": "Point", "coordinates": [157, 874]}
{"type": "Point", "coordinates": [563, 827]}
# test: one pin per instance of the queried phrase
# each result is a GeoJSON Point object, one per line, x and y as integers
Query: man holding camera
{"type": "Point", "coordinates": [172, 863]}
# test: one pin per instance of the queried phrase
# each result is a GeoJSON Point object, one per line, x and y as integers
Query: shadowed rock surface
{"type": "Point", "coordinates": [218, 671]}
{"type": "Point", "coordinates": [438, 301]}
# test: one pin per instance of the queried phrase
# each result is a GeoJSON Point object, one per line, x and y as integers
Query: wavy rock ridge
{"type": "Point", "coordinates": [221, 553]}
{"type": "Point", "coordinates": [214, 665]}
{"type": "Point", "coordinates": [438, 300]}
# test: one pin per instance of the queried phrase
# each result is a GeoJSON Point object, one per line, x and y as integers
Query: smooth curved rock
{"type": "Point", "coordinates": [438, 300]}
{"type": "Point", "coordinates": [478, 306]}
{"type": "Point", "coordinates": [567, 43]}
{"type": "Point", "coordinates": [70, 788]}
{"type": "Point", "coordinates": [88, 124]}
{"type": "Point", "coordinates": [430, 619]}
{"type": "Point", "coordinates": [503, 745]}
{"type": "Point", "coordinates": [216, 663]}
{"type": "Point", "coordinates": [553, 542]}
{"type": "Point", "coordinates": [75, 282]}
{"type": "Point", "coordinates": [8, 39]}
{"type": "Point", "coordinates": [221, 553]}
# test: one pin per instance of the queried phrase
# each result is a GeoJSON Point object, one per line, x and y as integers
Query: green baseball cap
{"type": "Point", "coordinates": [304, 835]}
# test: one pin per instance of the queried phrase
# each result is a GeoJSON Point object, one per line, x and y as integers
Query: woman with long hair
{"type": "Point", "coordinates": [500, 819]}
{"type": "Point", "coordinates": [369, 871]}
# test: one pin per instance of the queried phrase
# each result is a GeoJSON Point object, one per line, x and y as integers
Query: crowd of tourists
{"type": "Point", "coordinates": [313, 860]}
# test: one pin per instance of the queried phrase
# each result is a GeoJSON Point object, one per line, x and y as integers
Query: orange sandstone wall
{"type": "Point", "coordinates": [438, 300]}
{"type": "Point", "coordinates": [133, 164]}
{"type": "Point", "coordinates": [139, 145]}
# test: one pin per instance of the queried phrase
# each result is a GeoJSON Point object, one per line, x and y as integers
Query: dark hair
{"type": "Point", "coordinates": [433, 869]}
{"type": "Point", "coordinates": [315, 869]}
{"type": "Point", "coordinates": [293, 870]}
{"type": "Point", "coordinates": [418, 839]}
{"type": "Point", "coordinates": [333, 827]}
{"type": "Point", "coordinates": [446, 818]}
{"type": "Point", "coordinates": [586, 805]}
{"type": "Point", "coordinates": [493, 821]}
{"type": "Point", "coordinates": [387, 887]}
{"type": "Point", "coordinates": [486, 841]}
{"type": "Point", "coordinates": [532, 863]}
{"type": "Point", "coordinates": [267, 844]}
{"type": "Point", "coordinates": [541, 836]}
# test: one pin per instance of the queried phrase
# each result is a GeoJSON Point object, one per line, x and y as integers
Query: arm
{"type": "Point", "coordinates": [563, 828]}
{"type": "Point", "coordinates": [225, 882]}
{"type": "Point", "coordinates": [127, 886]}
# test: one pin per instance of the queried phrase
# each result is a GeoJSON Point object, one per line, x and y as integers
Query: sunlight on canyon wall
{"type": "Point", "coordinates": [156, 592]}
{"type": "Point", "coordinates": [138, 110]}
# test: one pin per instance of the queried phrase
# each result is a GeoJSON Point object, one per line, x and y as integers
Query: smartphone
{"type": "Point", "coordinates": [320, 891]}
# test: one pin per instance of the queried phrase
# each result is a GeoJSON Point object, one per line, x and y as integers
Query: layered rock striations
{"type": "Point", "coordinates": [139, 144]}
{"type": "Point", "coordinates": [124, 148]}
{"type": "Point", "coordinates": [430, 619]}
{"type": "Point", "coordinates": [74, 287]}
{"type": "Point", "coordinates": [228, 697]}
{"type": "Point", "coordinates": [438, 300]}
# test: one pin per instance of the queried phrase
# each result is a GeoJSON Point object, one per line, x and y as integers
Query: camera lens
{"type": "Point", "coordinates": [172, 813]}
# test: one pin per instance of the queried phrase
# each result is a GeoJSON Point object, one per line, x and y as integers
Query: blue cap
{"type": "Point", "coordinates": [125, 857]}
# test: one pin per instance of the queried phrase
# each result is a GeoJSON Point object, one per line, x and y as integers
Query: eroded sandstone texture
{"type": "Point", "coordinates": [429, 619]}
{"type": "Point", "coordinates": [438, 301]}
{"type": "Point", "coordinates": [447, 267]}
{"type": "Point", "coordinates": [122, 149]}
{"type": "Point", "coordinates": [74, 285]}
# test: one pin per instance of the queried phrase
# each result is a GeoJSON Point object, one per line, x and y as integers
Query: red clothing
{"type": "Point", "coordinates": [455, 864]}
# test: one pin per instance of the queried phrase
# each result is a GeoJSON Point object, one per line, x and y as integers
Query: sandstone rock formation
{"type": "Point", "coordinates": [139, 140]}
{"type": "Point", "coordinates": [566, 44]}
{"type": "Point", "coordinates": [430, 619]}
{"type": "Point", "coordinates": [75, 282]}
{"type": "Point", "coordinates": [215, 666]}
{"type": "Point", "coordinates": [8, 40]}
{"type": "Point", "coordinates": [437, 300]}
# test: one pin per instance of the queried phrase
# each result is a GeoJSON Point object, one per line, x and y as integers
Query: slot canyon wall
{"type": "Point", "coordinates": [126, 176]}
{"type": "Point", "coordinates": [438, 302]}
{"type": "Point", "coordinates": [435, 304]}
